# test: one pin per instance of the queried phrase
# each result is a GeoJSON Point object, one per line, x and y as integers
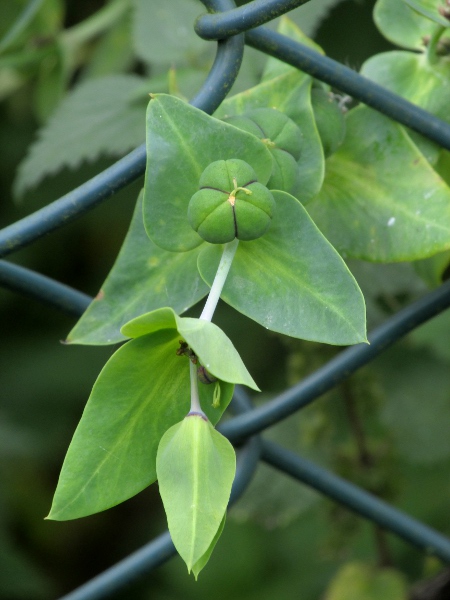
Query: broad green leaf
{"type": "Point", "coordinates": [202, 561]}
{"type": "Point", "coordinates": [410, 75]}
{"type": "Point", "coordinates": [143, 278]}
{"type": "Point", "coordinates": [381, 200]}
{"type": "Point", "coordinates": [181, 142]}
{"type": "Point", "coordinates": [196, 467]}
{"type": "Point", "coordinates": [401, 25]}
{"type": "Point", "coordinates": [292, 280]}
{"type": "Point", "coordinates": [289, 93]}
{"type": "Point", "coordinates": [163, 32]}
{"type": "Point", "coordinates": [361, 581]}
{"type": "Point", "coordinates": [429, 9]}
{"type": "Point", "coordinates": [214, 349]}
{"type": "Point", "coordinates": [141, 392]}
{"type": "Point", "coordinates": [100, 117]}
{"type": "Point", "coordinates": [287, 27]}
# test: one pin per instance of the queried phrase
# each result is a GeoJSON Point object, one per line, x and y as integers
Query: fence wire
{"type": "Point", "coordinates": [233, 27]}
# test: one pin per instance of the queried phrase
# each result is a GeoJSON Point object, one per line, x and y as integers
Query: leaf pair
{"type": "Point", "coordinates": [142, 391]}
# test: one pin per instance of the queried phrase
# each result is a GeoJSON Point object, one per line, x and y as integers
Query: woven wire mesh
{"type": "Point", "coordinates": [233, 27]}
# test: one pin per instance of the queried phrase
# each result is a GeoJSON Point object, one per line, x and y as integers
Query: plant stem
{"type": "Point", "coordinates": [208, 311]}
{"type": "Point", "coordinates": [432, 55]}
{"type": "Point", "coordinates": [195, 400]}
{"type": "Point", "coordinates": [219, 280]}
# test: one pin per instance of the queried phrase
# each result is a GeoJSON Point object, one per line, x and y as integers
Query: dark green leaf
{"type": "Point", "coordinates": [181, 142]}
{"type": "Point", "coordinates": [292, 280]}
{"type": "Point", "coordinates": [143, 278]}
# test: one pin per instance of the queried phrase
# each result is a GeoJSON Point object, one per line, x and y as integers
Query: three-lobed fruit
{"type": "Point", "coordinates": [230, 203]}
{"type": "Point", "coordinates": [283, 138]}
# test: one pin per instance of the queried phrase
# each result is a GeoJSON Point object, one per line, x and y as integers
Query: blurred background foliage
{"type": "Point", "coordinates": [74, 83]}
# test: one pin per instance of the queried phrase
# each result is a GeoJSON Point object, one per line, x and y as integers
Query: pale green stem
{"type": "Point", "coordinates": [208, 312]}
{"type": "Point", "coordinates": [219, 280]}
{"type": "Point", "coordinates": [433, 43]}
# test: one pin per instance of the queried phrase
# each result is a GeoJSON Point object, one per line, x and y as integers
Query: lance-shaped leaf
{"type": "Point", "coordinates": [143, 278]}
{"type": "Point", "coordinates": [142, 391]}
{"type": "Point", "coordinates": [196, 467]}
{"type": "Point", "coordinates": [381, 199]}
{"type": "Point", "coordinates": [202, 561]}
{"type": "Point", "coordinates": [289, 93]}
{"type": "Point", "coordinates": [214, 349]}
{"type": "Point", "coordinates": [181, 142]}
{"type": "Point", "coordinates": [292, 280]}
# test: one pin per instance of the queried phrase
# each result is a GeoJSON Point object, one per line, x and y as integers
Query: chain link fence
{"type": "Point", "coordinates": [233, 27]}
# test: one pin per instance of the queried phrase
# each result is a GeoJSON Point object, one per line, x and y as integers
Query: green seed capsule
{"type": "Point", "coordinates": [230, 204]}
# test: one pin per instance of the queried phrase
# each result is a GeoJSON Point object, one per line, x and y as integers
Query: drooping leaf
{"type": "Point", "coordinates": [214, 349]}
{"type": "Point", "coordinates": [381, 200]}
{"type": "Point", "coordinates": [275, 67]}
{"type": "Point", "coordinates": [362, 581]}
{"type": "Point", "coordinates": [292, 280]}
{"type": "Point", "coordinates": [143, 278]}
{"type": "Point", "coordinates": [181, 142]}
{"type": "Point", "coordinates": [141, 392]}
{"type": "Point", "coordinates": [401, 25]}
{"type": "Point", "coordinates": [196, 467]}
{"type": "Point", "coordinates": [100, 117]}
{"type": "Point", "coordinates": [429, 10]}
{"type": "Point", "coordinates": [289, 93]}
{"type": "Point", "coordinates": [164, 32]}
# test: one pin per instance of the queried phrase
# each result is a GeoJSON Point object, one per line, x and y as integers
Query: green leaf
{"type": "Point", "coordinates": [164, 32]}
{"type": "Point", "coordinates": [361, 581]}
{"type": "Point", "coordinates": [196, 467]}
{"type": "Point", "coordinates": [381, 200]}
{"type": "Point", "coordinates": [181, 142]}
{"type": "Point", "coordinates": [202, 561]}
{"type": "Point", "coordinates": [142, 391]}
{"type": "Point", "coordinates": [289, 93]}
{"type": "Point", "coordinates": [143, 278]}
{"type": "Point", "coordinates": [410, 75]}
{"type": "Point", "coordinates": [275, 67]}
{"type": "Point", "coordinates": [100, 117]}
{"type": "Point", "coordinates": [429, 9]}
{"type": "Point", "coordinates": [214, 349]}
{"type": "Point", "coordinates": [401, 25]}
{"type": "Point", "coordinates": [292, 280]}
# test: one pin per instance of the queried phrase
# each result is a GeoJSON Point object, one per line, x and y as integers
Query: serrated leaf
{"type": "Point", "coordinates": [401, 25]}
{"type": "Point", "coordinates": [289, 93]}
{"type": "Point", "coordinates": [100, 117]}
{"type": "Point", "coordinates": [164, 32]}
{"type": "Point", "coordinates": [429, 10]}
{"type": "Point", "coordinates": [143, 278]}
{"type": "Point", "coordinates": [361, 581]}
{"type": "Point", "coordinates": [181, 142]}
{"type": "Point", "coordinates": [381, 200]}
{"type": "Point", "coordinates": [214, 349]}
{"type": "Point", "coordinates": [142, 391]}
{"type": "Point", "coordinates": [196, 467]}
{"type": "Point", "coordinates": [292, 280]}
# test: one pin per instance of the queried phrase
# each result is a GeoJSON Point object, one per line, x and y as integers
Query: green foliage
{"type": "Point", "coordinates": [196, 467]}
{"type": "Point", "coordinates": [367, 583]}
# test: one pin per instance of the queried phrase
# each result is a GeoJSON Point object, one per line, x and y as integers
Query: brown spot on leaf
{"type": "Point", "coordinates": [100, 295]}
